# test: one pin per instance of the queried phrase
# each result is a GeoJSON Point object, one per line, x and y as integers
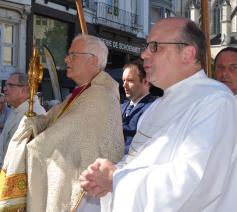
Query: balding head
{"type": "Point", "coordinates": [175, 51]}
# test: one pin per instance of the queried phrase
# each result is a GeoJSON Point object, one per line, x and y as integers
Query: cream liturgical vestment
{"type": "Point", "coordinates": [183, 157]}
{"type": "Point", "coordinates": [89, 128]}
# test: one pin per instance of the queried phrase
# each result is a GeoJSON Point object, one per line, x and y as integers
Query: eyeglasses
{"type": "Point", "coordinates": [13, 85]}
{"type": "Point", "coordinates": [230, 68]}
{"type": "Point", "coordinates": [154, 45]}
{"type": "Point", "coordinates": [71, 55]}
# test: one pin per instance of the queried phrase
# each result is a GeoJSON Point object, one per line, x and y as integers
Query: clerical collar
{"type": "Point", "coordinates": [77, 91]}
{"type": "Point", "coordinates": [198, 75]}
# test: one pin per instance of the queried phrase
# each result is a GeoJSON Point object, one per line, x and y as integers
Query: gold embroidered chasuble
{"type": "Point", "coordinates": [89, 128]}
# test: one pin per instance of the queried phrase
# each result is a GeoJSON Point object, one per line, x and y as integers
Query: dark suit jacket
{"type": "Point", "coordinates": [130, 122]}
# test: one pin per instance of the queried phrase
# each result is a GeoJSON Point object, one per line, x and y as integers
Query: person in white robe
{"type": "Point", "coordinates": [180, 159]}
{"type": "Point", "coordinates": [225, 65]}
{"type": "Point", "coordinates": [16, 94]}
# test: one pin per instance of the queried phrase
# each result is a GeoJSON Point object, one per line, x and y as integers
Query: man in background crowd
{"type": "Point", "coordinates": [137, 91]}
{"type": "Point", "coordinates": [17, 93]}
{"type": "Point", "coordinates": [226, 67]}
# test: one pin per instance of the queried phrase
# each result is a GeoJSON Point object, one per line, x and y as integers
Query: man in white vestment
{"type": "Point", "coordinates": [180, 158]}
{"type": "Point", "coordinates": [225, 65]}
{"type": "Point", "coordinates": [85, 126]}
{"type": "Point", "coordinates": [16, 94]}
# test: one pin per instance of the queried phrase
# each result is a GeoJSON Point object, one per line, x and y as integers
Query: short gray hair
{"type": "Point", "coordinates": [22, 78]}
{"type": "Point", "coordinates": [95, 46]}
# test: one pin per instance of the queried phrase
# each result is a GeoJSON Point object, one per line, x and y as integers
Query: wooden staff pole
{"type": "Point", "coordinates": [205, 28]}
{"type": "Point", "coordinates": [81, 17]}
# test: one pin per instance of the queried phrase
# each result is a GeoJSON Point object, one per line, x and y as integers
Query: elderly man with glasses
{"type": "Point", "coordinates": [87, 125]}
{"type": "Point", "coordinates": [180, 158]}
{"type": "Point", "coordinates": [17, 93]}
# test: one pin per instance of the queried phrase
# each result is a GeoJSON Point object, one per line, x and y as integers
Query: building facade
{"type": "Point", "coordinates": [222, 18]}
{"type": "Point", "coordinates": [54, 23]}
{"type": "Point", "coordinates": [13, 26]}
{"type": "Point", "coordinates": [122, 24]}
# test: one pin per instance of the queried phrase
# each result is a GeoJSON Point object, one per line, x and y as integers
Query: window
{"type": "Point", "coordinates": [38, 20]}
{"type": "Point", "coordinates": [217, 17]}
{"type": "Point", "coordinates": [8, 45]}
{"type": "Point", "coordinates": [156, 14]}
{"type": "Point", "coordinates": [12, 41]}
{"type": "Point", "coordinates": [44, 21]}
{"type": "Point", "coordinates": [54, 35]}
{"type": "Point", "coordinates": [110, 2]}
{"type": "Point", "coordinates": [216, 20]}
{"type": "Point", "coordinates": [115, 6]}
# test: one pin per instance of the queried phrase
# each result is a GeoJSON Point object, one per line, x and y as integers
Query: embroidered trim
{"type": "Point", "coordinates": [14, 208]}
{"type": "Point", "coordinates": [12, 186]}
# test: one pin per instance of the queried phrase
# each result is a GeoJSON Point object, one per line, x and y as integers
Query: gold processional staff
{"type": "Point", "coordinates": [35, 75]}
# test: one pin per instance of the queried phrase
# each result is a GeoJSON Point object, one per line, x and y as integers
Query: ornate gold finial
{"type": "Point", "coordinates": [35, 75]}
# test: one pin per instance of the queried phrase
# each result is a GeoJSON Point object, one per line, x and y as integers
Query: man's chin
{"type": "Point", "coordinates": [68, 74]}
{"type": "Point", "coordinates": [128, 96]}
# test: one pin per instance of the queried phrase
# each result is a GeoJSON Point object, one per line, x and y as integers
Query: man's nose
{"type": "Point", "coordinates": [125, 84]}
{"type": "Point", "coordinates": [66, 59]}
{"type": "Point", "coordinates": [224, 74]}
{"type": "Point", "coordinates": [145, 53]}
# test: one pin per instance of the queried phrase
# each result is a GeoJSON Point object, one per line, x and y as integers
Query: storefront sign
{"type": "Point", "coordinates": [121, 46]}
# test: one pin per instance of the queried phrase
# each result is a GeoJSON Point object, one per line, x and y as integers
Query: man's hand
{"type": "Point", "coordinates": [97, 179]}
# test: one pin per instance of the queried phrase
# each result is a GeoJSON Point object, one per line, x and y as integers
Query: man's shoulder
{"type": "Point", "coordinates": [105, 80]}
{"type": "Point", "coordinates": [126, 102]}
{"type": "Point", "coordinates": [124, 105]}
{"type": "Point", "coordinates": [148, 99]}
{"type": "Point", "coordinates": [206, 87]}
{"type": "Point", "coordinates": [103, 86]}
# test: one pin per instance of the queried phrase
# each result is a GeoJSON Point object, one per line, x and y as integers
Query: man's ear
{"type": "Point", "coordinates": [94, 59]}
{"type": "Point", "coordinates": [25, 90]}
{"type": "Point", "coordinates": [188, 54]}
